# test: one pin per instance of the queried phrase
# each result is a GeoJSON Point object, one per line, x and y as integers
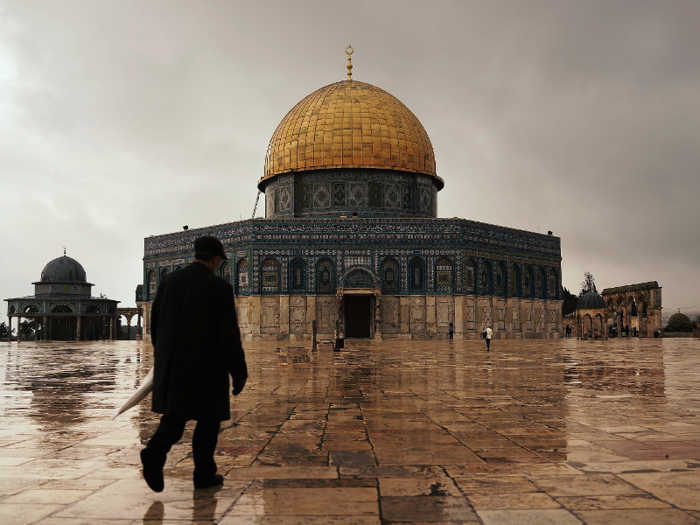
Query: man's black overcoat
{"type": "Point", "coordinates": [197, 345]}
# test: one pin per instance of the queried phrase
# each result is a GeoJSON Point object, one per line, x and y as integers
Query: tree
{"type": "Point", "coordinates": [588, 284]}
{"type": "Point", "coordinates": [570, 303]}
{"type": "Point", "coordinates": [3, 331]}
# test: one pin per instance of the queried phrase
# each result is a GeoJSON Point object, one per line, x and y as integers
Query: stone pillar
{"type": "Point", "coordinates": [9, 328]}
{"type": "Point", "coordinates": [128, 326]}
{"type": "Point", "coordinates": [111, 328]}
{"type": "Point", "coordinates": [310, 315]}
{"type": "Point", "coordinates": [405, 316]}
{"type": "Point", "coordinates": [460, 302]}
{"type": "Point", "coordinates": [377, 316]}
{"type": "Point", "coordinates": [255, 313]}
{"type": "Point", "coordinates": [19, 327]}
{"type": "Point", "coordinates": [77, 330]}
{"type": "Point", "coordinates": [284, 315]}
{"type": "Point", "coordinates": [430, 318]}
{"type": "Point", "coordinates": [478, 315]}
{"type": "Point", "coordinates": [339, 313]}
{"type": "Point", "coordinates": [44, 329]}
{"type": "Point", "coordinates": [494, 314]}
{"type": "Point", "coordinates": [138, 326]}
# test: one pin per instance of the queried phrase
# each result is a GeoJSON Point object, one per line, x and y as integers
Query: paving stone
{"type": "Point", "coordinates": [540, 431]}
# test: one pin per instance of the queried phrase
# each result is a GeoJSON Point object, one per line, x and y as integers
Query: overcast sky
{"type": "Point", "coordinates": [124, 119]}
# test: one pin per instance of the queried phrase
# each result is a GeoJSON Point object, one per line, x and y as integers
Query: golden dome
{"type": "Point", "coordinates": [350, 124]}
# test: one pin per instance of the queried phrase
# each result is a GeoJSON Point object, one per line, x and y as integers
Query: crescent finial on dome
{"type": "Point", "coordinates": [349, 51]}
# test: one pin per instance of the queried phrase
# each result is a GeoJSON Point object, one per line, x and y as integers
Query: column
{"type": "Point", "coordinates": [9, 328]}
{"type": "Point", "coordinates": [111, 328]}
{"type": "Point", "coordinates": [479, 326]}
{"type": "Point", "coordinates": [19, 326]}
{"type": "Point", "coordinates": [255, 313]}
{"type": "Point", "coordinates": [44, 329]}
{"type": "Point", "coordinates": [36, 328]}
{"type": "Point", "coordinates": [494, 314]}
{"type": "Point", "coordinates": [460, 308]}
{"type": "Point", "coordinates": [128, 326]}
{"type": "Point", "coordinates": [377, 316]}
{"type": "Point", "coordinates": [339, 313]}
{"type": "Point", "coordinates": [138, 327]}
{"type": "Point", "coordinates": [77, 331]}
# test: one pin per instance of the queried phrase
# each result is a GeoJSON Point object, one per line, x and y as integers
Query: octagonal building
{"type": "Point", "coordinates": [352, 239]}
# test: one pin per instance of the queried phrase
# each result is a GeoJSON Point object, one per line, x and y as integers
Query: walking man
{"type": "Point", "coordinates": [451, 330]}
{"type": "Point", "coordinates": [197, 344]}
{"type": "Point", "coordinates": [489, 334]}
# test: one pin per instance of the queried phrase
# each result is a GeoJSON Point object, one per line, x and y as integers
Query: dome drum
{"type": "Point", "coordinates": [345, 192]}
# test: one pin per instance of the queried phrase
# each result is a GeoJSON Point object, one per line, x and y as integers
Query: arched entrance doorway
{"type": "Point", "coordinates": [360, 298]}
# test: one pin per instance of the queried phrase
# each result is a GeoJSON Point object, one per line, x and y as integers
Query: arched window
{"type": "Point", "coordinates": [164, 272]}
{"type": "Point", "coordinates": [30, 309]}
{"type": "Point", "coordinates": [297, 276]}
{"type": "Point", "coordinates": [270, 276]}
{"type": "Point", "coordinates": [61, 309]}
{"type": "Point", "coordinates": [225, 272]}
{"type": "Point", "coordinates": [242, 277]}
{"type": "Point", "coordinates": [470, 275]}
{"type": "Point", "coordinates": [443, 275]}
{"type": "Point", "coordinates": [325, 276]}
{"type": "Point", "coordinates": [390, 276]}
{"type": "Point", "coordinates": [501, 285]}
{"type": "Point", "coordinates": [514, 281]}
{"type": "Point", "coordinates": [486, 279]}
{"type": "Point", "coordinates": [151, 285]}
{"type": "Point", "coordinates": [539, 284]}
{"type": "Point", "coordinates": [553, 285]}
{"type": "Point", "coordinates": [416, 276]}
{"type": "Point", "coordinates": [92, 309]}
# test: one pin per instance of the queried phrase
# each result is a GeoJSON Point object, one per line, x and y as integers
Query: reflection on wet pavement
{"type": "Point", "coordinates": [392, 432]}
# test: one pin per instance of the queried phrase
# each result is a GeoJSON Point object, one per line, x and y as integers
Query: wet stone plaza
{"type": "Point", "coordinates": [537, 432]}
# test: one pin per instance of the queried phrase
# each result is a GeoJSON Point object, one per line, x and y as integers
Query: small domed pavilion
{"type": "Point", "coordinates": [591, 316]}
{"type": "Point", "coordinates": [63, 307]}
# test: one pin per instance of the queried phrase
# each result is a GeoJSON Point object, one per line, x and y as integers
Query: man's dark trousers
{"type": "Point", "coordinates": [206, 434]}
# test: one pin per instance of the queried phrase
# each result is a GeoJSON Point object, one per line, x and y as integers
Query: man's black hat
{"type": "Point", "coordinates": [209, 244]}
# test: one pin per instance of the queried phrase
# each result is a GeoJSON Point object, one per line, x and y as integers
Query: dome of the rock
{"type": "Point", "coordinates": [350, 124]}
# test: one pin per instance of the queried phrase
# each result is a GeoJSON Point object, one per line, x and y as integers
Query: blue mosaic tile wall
{"type": "Point", "coordinates": [457, 256]}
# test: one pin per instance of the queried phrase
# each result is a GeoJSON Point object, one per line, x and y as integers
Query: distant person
{"type": "Point", "coordinates": [489, 334]}
{"type": "Point", "coordinates": [568, 331]}
{"type": "Point", "coordinates": [197, 344]}
{"type": "Point", "coordinates": [451, 331]}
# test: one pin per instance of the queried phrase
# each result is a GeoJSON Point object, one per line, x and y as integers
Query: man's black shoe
{"type": "Point", "coordinates": [218, 479]}
{"type": "Point", "coordinates": [153, 462]}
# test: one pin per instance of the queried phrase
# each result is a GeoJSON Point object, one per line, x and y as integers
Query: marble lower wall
{"type": "Point", "coordinates": [401, 317]}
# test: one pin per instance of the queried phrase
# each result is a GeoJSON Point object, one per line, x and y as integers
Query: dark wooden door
{"type": "Point", "coordinates": [358, 316]}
